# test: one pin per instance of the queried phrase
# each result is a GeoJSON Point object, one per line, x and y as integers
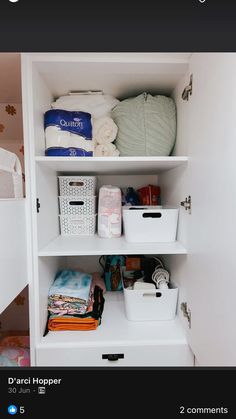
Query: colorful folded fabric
{"type": "Point", "coordinates": [88, 321]}
{"type": "Point", "coordinates": [71, 323]}
{"type": "Point", "coordinates": [70, 292]}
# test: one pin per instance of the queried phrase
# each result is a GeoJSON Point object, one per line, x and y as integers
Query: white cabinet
{"type": "Point", "coordinates": [197, 259]}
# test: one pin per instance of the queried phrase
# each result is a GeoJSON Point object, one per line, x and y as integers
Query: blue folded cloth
{"type": "Point", "coordinates": [72, 284]}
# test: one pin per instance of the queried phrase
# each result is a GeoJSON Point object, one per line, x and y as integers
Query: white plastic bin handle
{"type": "Point", "coordinates": [76, 183]}
{"type": "Point", "coordinates": [75, 203]}
{"type": "Point", "coordinates": [155, 294]}
{"type": "Point", "coordinates": [152, 215]}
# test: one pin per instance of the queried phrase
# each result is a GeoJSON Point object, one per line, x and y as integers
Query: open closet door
{"type": "Point", "coordinates": [13, 254]}
{"type": "Point", "coordinates": [211, 265]}
{"type": "Point", "coordinates": [206, 276]}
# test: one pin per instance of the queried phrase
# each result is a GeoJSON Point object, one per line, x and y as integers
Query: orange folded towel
{"type": "Point", "coordinates": [72, 323]}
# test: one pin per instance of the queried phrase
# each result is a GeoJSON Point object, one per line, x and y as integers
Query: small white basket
{"type": "Point", "coordinates": [80, 205]}
{"type": "Point", "coordinates": [148, 305]}
{"type": "Point", "coordinates": [77, 185]}
{"type": "Point", "coordinates": [77, 226]}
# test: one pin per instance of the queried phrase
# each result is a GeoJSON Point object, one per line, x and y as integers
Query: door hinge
{"type": "Point", "coordinates": [188, 89]}
{"type": "Point", "coordinates": [37, 205]}
{"type": "Point", "coordinates": [187, 204]}
{"type": "Point", "coordinates": [186, 312]}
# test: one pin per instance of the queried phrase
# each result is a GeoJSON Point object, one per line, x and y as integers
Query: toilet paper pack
{"type": "Point", "coordinates": [68, 133]}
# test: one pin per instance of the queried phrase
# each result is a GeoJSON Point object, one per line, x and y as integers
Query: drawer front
{"type": "Point", "coordinates": [119, 356]}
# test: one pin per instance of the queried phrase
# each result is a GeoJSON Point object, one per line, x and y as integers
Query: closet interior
{"type": "Point", "coordinates": [45, 78]}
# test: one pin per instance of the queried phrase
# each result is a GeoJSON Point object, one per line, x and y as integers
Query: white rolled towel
{"type": "Point", "coordinates": [98, 105]}
{"type": "Point", "coordinates": [106, 150]}
{"type": "Point", "coordinates": [104, 130]}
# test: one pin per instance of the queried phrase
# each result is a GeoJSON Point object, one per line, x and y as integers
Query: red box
{"type": "Point", "coordinates": [149, 195]}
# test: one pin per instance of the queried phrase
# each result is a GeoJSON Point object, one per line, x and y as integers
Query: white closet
{"type": "Point", "coordinates": [202, 259]}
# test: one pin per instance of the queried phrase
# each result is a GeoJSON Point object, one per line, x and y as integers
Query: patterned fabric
{"type": "Point", "coordinates": [146, 125]}
{"type": "Point", "coordinates": [88, 321]}
{"type": "Point", "coordinates": [70, 292]}
{"type": "Point", "coordinates": [14, 351]}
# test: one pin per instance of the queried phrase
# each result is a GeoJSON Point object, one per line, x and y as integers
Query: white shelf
{"type": "Point", "coordinates": [115, 329]}
{"type": "Point", "coordinates": [94, 245]}
{"type": "Point", "coordinates": [112, 165]}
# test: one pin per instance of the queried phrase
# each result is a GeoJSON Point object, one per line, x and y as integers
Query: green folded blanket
{"type": "Point", "coordinates": [146, 125]}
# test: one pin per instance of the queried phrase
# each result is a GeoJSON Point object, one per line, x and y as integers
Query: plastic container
{"type": "Point", "coordinates": [148, 224]}
{"type": "Point", "coordinates": [77, 205]}
{"type": "Point", "coordinates": [109, 212]}
{"type": "Point", "coordinates": [148, 305]}
{"type": "Point", "coordinates": [77, 226]}
{"type": "Point", "coordinates": [77, 185]}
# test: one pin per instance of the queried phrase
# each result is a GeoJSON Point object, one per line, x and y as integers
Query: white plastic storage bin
{"type": "Point", "coordinates": [150, 223]}
{"type": "Point", "coordinates": [81, 226]}
{"type": "Point", "coordinates": [77, 205]}
{"type": "Point", "coordinates": [144, 305]}
{"type": "Point", "coordinates": [77, 185]}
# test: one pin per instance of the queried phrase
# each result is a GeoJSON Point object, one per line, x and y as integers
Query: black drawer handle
{"type": "Point", "coordinates": [113, 357]}
{"type": "Point", "coordinates": [152, 215]}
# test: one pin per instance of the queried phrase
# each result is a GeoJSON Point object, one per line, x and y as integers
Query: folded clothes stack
{"type": "Point", "coordinates": [75, 301]}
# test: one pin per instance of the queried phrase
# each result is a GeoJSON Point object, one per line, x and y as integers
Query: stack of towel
{"type": "Point", "coordinates": [75, 301]}
{"type": "Point", "coordinates": [104, 130]}
{"type": "Point", "coordinates": [104, 133]}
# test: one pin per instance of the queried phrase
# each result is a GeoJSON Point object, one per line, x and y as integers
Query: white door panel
{"type": "Point", "coordinates": [211, 286]}
{"type": "Point", "coordinates": [13, 257]}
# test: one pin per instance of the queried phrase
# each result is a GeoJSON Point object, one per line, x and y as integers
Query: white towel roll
{"type": "Point", "coordinates": [106, 150]}
{"type": "Point", "coordinates": [104, 130]}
